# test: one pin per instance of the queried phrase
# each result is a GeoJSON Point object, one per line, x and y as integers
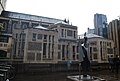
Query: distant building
{"type": "Point", "coordinates": [91, 31]}
{"type": "Point", "coordinates": [114, 34]}
{"type": "Point", "coordinates": [100, 24]}
{"type": "Point", "coordinates": [99, 48]}
{"type": "Point", "coordinates": [2, 5]}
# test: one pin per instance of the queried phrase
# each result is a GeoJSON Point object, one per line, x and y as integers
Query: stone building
{"type": "Point", "coordinates": [36, 45]}
{"type": "Point", "coordinates": [99, 48]}
{"type": "Point", "coordinates": [12, 21]}
{"type": "Point", "coordinates": [114, 34]}
{"type": "Point", "coordinates": [67, 41]}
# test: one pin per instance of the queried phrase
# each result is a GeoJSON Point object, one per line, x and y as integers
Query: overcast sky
{"type": "Point", "coordinates": [79, 12]}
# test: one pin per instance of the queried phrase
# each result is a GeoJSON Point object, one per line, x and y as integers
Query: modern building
{"type": "Point", "coordinates": [2, 5]}
{"type": "Point", "coordinates": [114, 34]}
{"type": "Point", "coordinates": [99, 48]}
{"type": "Point", "coordinates": [100, 24]}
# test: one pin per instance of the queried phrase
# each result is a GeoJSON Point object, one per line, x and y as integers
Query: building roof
{"type": "Point", "coordinates": [29, 17]}
{"type": "Point", "coordinates": [41, 27]}
{"type": "Point", "coordinates": [61, 22]}
{"type": "Point", "coordinates": [90, 36]}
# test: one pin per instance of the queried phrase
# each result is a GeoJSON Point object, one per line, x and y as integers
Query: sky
{"type": "Point", "coordinates": [79, 12]}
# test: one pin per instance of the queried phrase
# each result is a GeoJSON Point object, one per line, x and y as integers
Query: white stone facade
{"type": "Point", "coordinates": [100, 49]}
{"type": "Point", "coordinates": [39, 46]}
{"type": "Point", "coordinates": [67, 41]}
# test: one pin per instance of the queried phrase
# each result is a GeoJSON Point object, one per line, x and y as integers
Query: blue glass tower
{"type": "Point", "coordinates": [100, 24]}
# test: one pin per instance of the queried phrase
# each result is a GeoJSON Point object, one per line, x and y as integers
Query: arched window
{"type": "Point", "coordinates": [24, 26]}
{"type": "Point", "coordinates": [15, 25]}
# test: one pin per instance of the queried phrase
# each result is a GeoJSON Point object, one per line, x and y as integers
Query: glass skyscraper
{"type": "Point", "coordinates": [100, 24]}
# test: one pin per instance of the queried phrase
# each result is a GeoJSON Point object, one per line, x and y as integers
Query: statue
{"type": "Point", "coordinates": [84, 60]}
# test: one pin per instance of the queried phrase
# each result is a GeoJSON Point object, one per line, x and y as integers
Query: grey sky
{"type": "Point", "coordinates": [79, 12]}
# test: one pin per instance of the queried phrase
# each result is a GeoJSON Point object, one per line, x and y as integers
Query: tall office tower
{"type": "Point", "coordinates": [114, 34]}
{"type": "Point", "coordinates": [2, 5]}
{"type": "Point", "coordinates": [100, 24]}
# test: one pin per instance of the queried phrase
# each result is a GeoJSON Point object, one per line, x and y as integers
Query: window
{"type": "Point", "coordinates": [34, 46]}
{"type": "Point", "coordinates": [15, 25]}
{"type": "Point", "coordinates": [53, 39]}
{"type": "Point", "coordinates": [4, 38]}
{"type": "Point", "coordinates": [5, 45]}
{"type": "Point", "coordinates": [49, 38]}
{"type": "Point", "coordinates": [74, 34]}
{"type": "Point", "coordinates": [34, 37]}
{"type": "Point", "coordinates": [69, 32]}
{"type": "Point", "coordinates": [38, 57]}
{"type": "Point", "coordinates": [59, 55]}
{"type": "Point", "coordinates": [49, 50]}
{"type": "Point", "coordinates": [24, 26]}
{"type": "Point", "coordinates": [31, 56]}
{"type": "Point", "coordinates": [95, 56]}
{"type": "Point", "coordinates": [39, 36]}
{"type": "Point", "coordinates": [45, 36]}
{"type": "Point", "coordinates": [59, 47]}
{"type": "Point", "coordinates": [94, 49]}
{"type": "Point", "coordinates": [62, 32]}
{"type": "Point", "coordinates": [1, 45]}
{"type": "Point", "coordinates": [109, 50]}
{"type": "Point", "coordinates": [44, 50]}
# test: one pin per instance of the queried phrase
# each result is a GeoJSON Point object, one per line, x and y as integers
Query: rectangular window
{"type": "Point", "coordinates": [59, 47]}
{"type": "Point", "coordinates": [49, 38]}
{"type": "Point", "coordinates": [69, 32]}
{"type": "Point", "coordinates": [95, 56]}
{"type": "Point", "coordinates": [94, 49]}
{"type": "Point", "coordinates": [5, 45]}
{"type": "Point", "coordinates": [34, 37]}
{"type": "Point", "coordinates": [52, 39]}
{"type": "Point", "coordinates": [74, 34]}
{"type": "Point", "coordinates": [59, 55]}
{"type": "Point", "coordinates": [1, 45]}
{"type": "Point", "coordinates": [34, 46]}
{"type": "Point", "coordinates": [44, 50]}
{"type": "Point", "coordinates": [49, 50]}
{"type": "Point", "coordinates": [109, 50]}
{"type": "Point", "coordinates": [4, 38]}
{"type": "Point", "coordinates": [62, 32]}
{"type": "Point", "coordinates": [39, 36]}
{"type": "Point", "coordinates": [45, 36]}
{"type": "Point", "coordinates": [38, 57]}
{"type": "Point", "coordinates": [31, 56]}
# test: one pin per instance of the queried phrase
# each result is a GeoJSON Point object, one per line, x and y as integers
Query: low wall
{"type": "Point", "coordinates": [45, 67]}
